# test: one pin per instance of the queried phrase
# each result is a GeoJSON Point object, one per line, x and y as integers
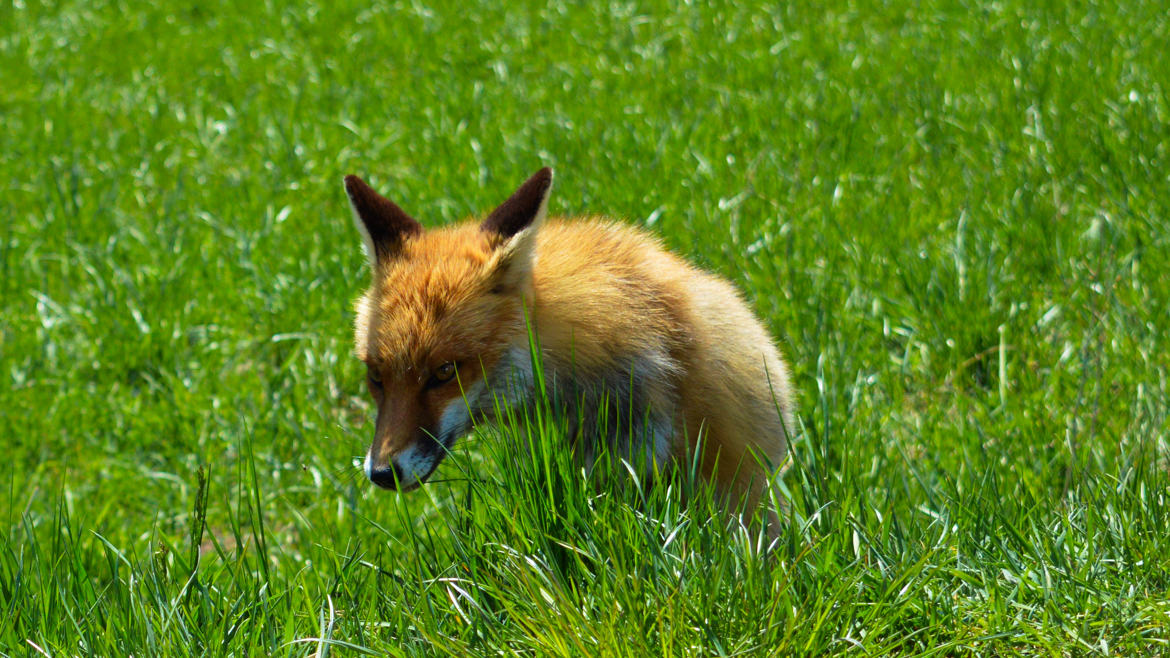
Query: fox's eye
{"type": "Point", "coordinates": [374, 377]}
{"type": "Point", "coordinates": [442, 374]}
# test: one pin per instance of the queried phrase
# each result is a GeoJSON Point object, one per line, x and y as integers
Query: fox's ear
{"type": "Point", "coordinates": [383, 224]}
{"type": "Point", "coordinates": [525, 208]}
{"type": "Point", "coordinates": [513, 226]}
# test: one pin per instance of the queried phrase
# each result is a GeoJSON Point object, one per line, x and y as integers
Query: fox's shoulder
{"type": "Point", "coordinates": [608, 291]}
{"type": "Point", "coordinates": [600, 244]}
{"type": "Point", "coordinates": [597, 226]}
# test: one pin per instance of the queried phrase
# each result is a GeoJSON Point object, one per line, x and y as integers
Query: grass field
{"type": "Point", "coordinates": [955, 217]}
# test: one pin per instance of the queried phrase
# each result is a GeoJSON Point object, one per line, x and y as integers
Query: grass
{"type": "Point", "coordinates": [953, 216]}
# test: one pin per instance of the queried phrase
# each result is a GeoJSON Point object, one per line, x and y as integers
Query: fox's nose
{"type": "Point", "coordinates": [386, 477]}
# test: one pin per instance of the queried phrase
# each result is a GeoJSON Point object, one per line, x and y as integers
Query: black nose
{"type": "Point", "coordinates": [386, 477]}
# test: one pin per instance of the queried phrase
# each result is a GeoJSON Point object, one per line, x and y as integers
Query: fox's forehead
{"type": "Point", "coordinates": [416, 309]}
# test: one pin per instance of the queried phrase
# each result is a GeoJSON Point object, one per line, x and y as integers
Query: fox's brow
{"type": "Point", "coordinates": [375, 362]}
{"type": "Point", "coordinates": [383, 364]}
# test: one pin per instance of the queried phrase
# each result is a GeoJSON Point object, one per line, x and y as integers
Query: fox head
{"type": "Point", "coordinates": [443, 310]}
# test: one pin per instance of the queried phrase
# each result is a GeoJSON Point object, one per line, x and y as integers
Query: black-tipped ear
{"type": "Point", "coordinates": [525, 207]}
{"type": "Point", "coordinates": [384, 225]}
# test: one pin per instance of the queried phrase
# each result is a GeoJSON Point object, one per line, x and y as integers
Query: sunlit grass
{"type": "Point", "coordinates": [953, 217]}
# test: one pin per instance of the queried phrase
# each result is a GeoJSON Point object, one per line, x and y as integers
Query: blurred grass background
{"type": "Point", "coordinates": [952, 215]}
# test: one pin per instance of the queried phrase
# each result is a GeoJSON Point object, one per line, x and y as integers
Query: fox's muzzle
{"type": "Point", "coordinates": [386, 477]}
{"type": "Point", "coordinates": [406, 468]}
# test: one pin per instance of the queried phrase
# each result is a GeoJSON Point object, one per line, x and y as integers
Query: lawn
{"type": "Point", "coordinates": [953, 216]}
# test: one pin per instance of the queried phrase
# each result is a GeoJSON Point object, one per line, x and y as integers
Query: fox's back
{"type": "Point", "coordinates": [607, 289]}
{"type": "Point", "coordinates": [612, 297]}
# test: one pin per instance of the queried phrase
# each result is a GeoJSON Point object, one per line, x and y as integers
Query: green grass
{"type": "Point", "coordinates": [954, 217]}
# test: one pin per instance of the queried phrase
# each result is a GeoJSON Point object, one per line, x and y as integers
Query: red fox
{"type": "Point", "coordinates": [619, 321]}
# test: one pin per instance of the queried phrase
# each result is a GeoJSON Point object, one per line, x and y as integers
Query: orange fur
{"type": "Point", "coordinates": [606, 300]}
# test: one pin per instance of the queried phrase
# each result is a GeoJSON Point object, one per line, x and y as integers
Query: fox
{"type": "Point", "coordinates": [652, 355]}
